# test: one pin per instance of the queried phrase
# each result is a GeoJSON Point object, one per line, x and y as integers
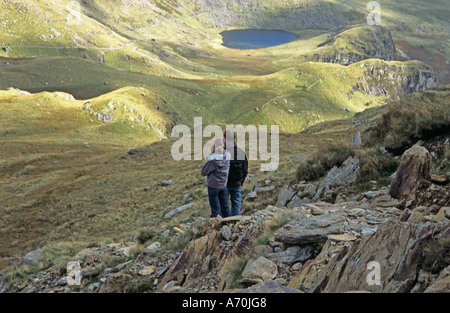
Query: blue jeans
{"type": "Point", "coordinates": [235, 193]}
{"type": "Point", "coordinates": [218, 200]}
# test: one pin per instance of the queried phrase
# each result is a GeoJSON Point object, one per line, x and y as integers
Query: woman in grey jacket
{"type": "Point", "coordinates": [216, 170]}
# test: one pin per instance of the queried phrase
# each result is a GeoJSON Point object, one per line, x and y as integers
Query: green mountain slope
{"type": "Point", "coordinates": [83, 82]}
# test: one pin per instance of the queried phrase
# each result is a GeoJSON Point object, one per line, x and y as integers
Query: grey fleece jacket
{"type": "Point", "coordinates": [217, 171]}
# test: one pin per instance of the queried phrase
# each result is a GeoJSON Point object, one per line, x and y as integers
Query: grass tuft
{"type": "Point", "coordinates": [417, 116]}
{"type": "Point", "coordinates": [436, 256]}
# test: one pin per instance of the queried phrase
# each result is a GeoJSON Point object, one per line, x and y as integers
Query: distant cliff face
{"type": "Point", "coordinates": [381, 75]}
{"type": "Point", "coordinates": [274, 14]}
{"type": "Point", "coordinates": [395, 79]}
{"type": "Point", "coordinates": [358, 44]}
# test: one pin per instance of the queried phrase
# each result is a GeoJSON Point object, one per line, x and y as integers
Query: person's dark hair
{"type": "Point", "coordinates": [229, 134]}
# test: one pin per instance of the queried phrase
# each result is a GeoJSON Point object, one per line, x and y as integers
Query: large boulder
{"type": "Point", "coordinates": [339, 176]}
{"type": "Point", "coordinates": [397, 247]}
{"type": "Point", "coordinates": [415, 165]}
{"type": "Point", "coordinates": [310, 230]}
{"type": "Point", "coordinates": [285, 196]}
{"type": "Point", "coordinates": [357, 141]}
{"type": "Point", "coordinates": [32, 258]}
{"type": "Point", "coordinates": [292, 255]}
{"type": "Point", "coordinates": [261, 269]}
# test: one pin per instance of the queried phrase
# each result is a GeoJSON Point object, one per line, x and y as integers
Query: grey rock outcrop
{"type": "Point", "coordinates": [343, 239]}
{"type": "Point", "coordinates": [285, 196]}
{"type": "Point", "coordinates": [304, 196]}
{"type": "Point", "coordinates": [356, 141]}
{"type": "Point", "coordinates": [442, 283]}
{"type": "Point", "coordinates": [342, 176]}
{"type": "Point", "coordinates": [310, 230]}
{"type": "Point", "coordinates": [254, 14]}
{"type": "Point", "coordinates": [298, 201]}
{"type": "Point", "coordinates": [394, 80]}
{"type": "Point", "coordinates": [166, 183]}
{"type": "Point", "coordinates": [261, 269]}
{"type": "Point", "coordinates": [209, 256]}
{"type": "Point", "coordinates": [292, 255]}
{"type": "Point", "coordinates": [31, 258]}
{"type": "Point", "coordinates": [415, 165]}
{"type": "Point", "coordinates": [365, 42]}
{"type": "Point", "coordinates": [398, 242]}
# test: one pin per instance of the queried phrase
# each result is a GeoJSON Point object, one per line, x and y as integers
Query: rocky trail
{"type": "Point", "coordinates": [302, 244]}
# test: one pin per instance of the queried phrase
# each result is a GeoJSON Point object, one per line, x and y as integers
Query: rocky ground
{"type": "Point", "coordinates": [312, 246]}
{"type": "Point", "coordinates": [315, 236]}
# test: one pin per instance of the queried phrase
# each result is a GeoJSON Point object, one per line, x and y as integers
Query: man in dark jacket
{"type": "Point", "coordinates": [238, 172]}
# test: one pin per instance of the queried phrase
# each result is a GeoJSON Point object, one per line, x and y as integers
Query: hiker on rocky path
{"type": "Point", "coordinates": [238, 172]}
{"type": "Point", "coordinates": [216, 170]}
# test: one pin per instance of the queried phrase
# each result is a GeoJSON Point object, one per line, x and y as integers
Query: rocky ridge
{"type": "Point", "coordinates": [395, 80]}
{"type": "Point", "coordinates": [358, 44]}
{"type": "Point", "coordinates": [301, 255]}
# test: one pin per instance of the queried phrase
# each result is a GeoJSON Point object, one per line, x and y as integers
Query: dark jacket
{"type": "Point", "coordinates": [217, 172]}
{"type": "Point", "coordinates": [238, 168]}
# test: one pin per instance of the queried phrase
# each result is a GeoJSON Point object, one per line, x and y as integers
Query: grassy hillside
{"type": "Point", "coordinates": [66, 183]}
{"type": "Point", "coordinates": [182, 38]}
{"type": "Point", "coordinates": [65, 179]}
{"type": "Point", "coordinates": [117, 75]}
{"type": "Point", "coordinates": [294, 98]}
{"type": "Point", "coordinates": [108, 45]}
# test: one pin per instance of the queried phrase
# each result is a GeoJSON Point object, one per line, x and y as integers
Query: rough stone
{"type": "Point", "coordinates": [232, 219]}
{"type": "Point", "coordinates": [2, 279]}
{"type": "Point", "coordinates": [309, 191]}
{"type": "Point", "coordinates": [209, 257]}
{"type": "Point", "coordinates": [153, 248]}
{"type": "Point", "coordinates": [444, 213]}
{"type": "Point", "coordinates": [261, 268]}
{"type": "Point", "coordinates": [147, 270]}
{"type": "Point", "coordinates": [140, 151]}
{"type": "Point", "coordinates": [441, 284]}
{"type": "Point", "coordinates": [226, 233]}
{"type": "Point", "coordinates": [440, 179]}
{"type": "Point", "coordinates": [297, 202]}
{"type": "Point", "coordinates": [292, 255]}
{"type": "Point", "coordinates": [178, 210]}
{"type": "Point", "coordinates": [396, 242]}
{"type": "Point", "coordinates": [285, 196]}
{"type": "Point", "coordinates": [74, 275]}
{"type": "Point", "coordinates": [415, 165]}
{"type": "Point", "coordinates": [342, 176]}
{"type": "Point", "coordinates": [310, 230]}
{"type": "Point", "coordinates": [342, 238]}
{"type": "Point", "coordinates": [356, 141]}
{"type": "Point", "coordinates": [32, 257]}
{"type": "Point", "coordinates": [166, 183]}
{"type": "Point", "coordinates": [262, 250]}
